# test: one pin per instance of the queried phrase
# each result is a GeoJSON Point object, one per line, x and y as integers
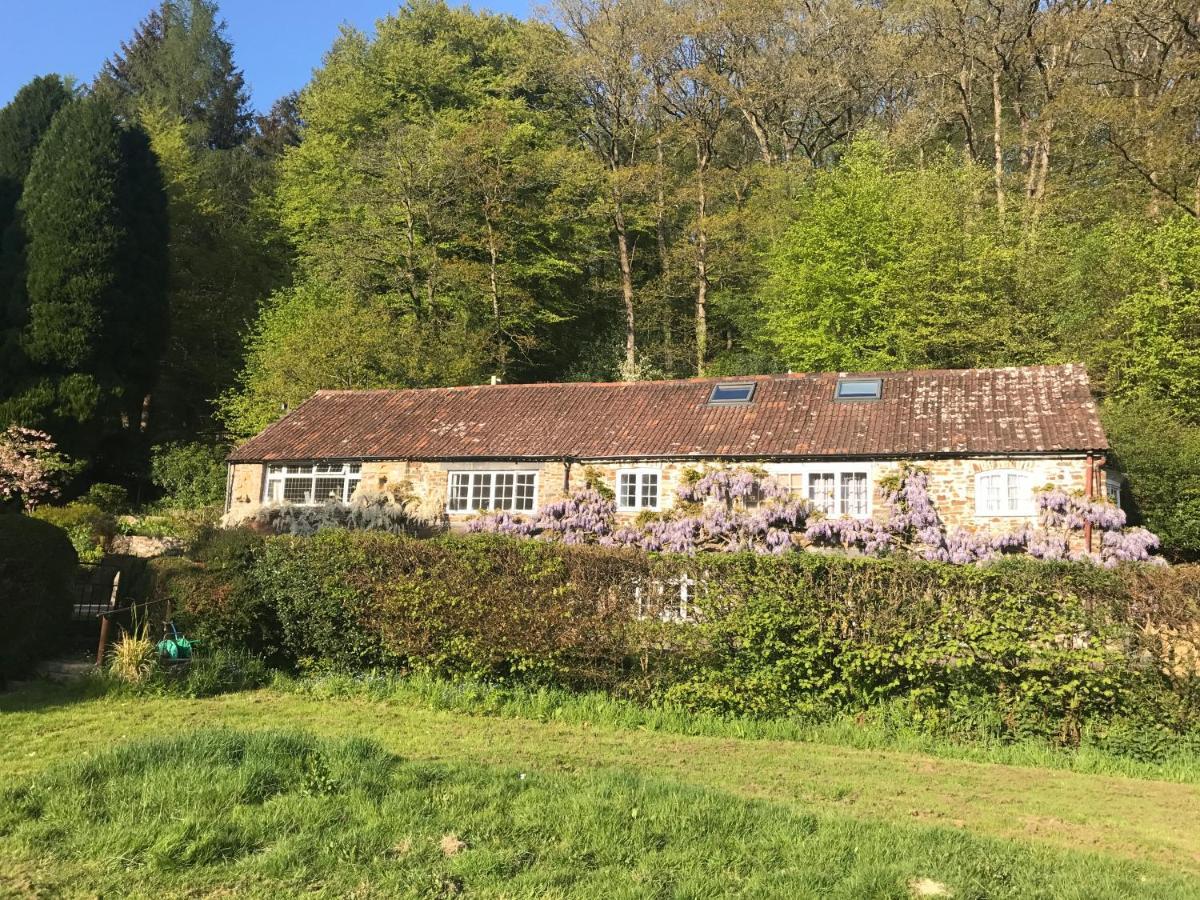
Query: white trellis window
{"type": "Point", "coordinates": [637, 489]}
{"type": "Point", "coordinates": [309, 484]}
{"type": "Point", "coordinates": [839, 493]}
{"type": "Point", "coordinates": [478, 491]}
{"type": "Point", "coordinates": [1004, 492]}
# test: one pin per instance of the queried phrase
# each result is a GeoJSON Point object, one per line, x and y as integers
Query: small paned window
{"type": "Point", "coordinates": [1112, 487]}
{"type": "Point", "coordinates": [1004, 492]}
{"type": "Point", "coordinates": [481, 491]}
{"type": "Point", "coordinates": [637, 489]}
{"type": "Point", "coordinates": [834, 493]}
{"type": "Point", "coordinates": [859, 389]}
{"type": "Point", "coordinates": [310, 484]}
{"type": "Point", "coordinates": [732, 392]}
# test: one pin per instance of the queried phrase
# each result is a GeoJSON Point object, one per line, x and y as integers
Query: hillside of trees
{"type": "Point", "coordinates": [622, 189]}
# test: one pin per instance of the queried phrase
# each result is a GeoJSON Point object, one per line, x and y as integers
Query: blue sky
{"type": "Point", "coordinates": [276, 43]}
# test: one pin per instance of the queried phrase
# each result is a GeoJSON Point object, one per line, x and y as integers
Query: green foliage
{"type": "Point", "coordinates": [189, 474]}
{"type": "Point", "coordinates": [1007, 651]}
{"type": "Point", "coordinates": [441, 212]}
{"type": "Point", "coordinates": [179, 61]}
{"type": "Point", "coordinates": [1160, 454]}
{"type": "Point", "coordinates": [218, 597]}
{"type": "Point", "coordinates": [886, 266]}
{"type": "Point", "coordinates": [96, 221]}
{"type": "Point", "coordinates": [23, 122]}
{"type": "Point", "coordinates": [89, 527]}
{"type": "Point", "coordinates": [37, 571]}
{"type": "Point", "coordinates": [112, 498]}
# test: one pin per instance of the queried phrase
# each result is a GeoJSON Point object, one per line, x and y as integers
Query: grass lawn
{"type": "Point", "coordinates": [271, 792]}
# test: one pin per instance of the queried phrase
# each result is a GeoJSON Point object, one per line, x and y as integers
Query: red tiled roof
{"type": "Point", "coordinates": [924, 412]}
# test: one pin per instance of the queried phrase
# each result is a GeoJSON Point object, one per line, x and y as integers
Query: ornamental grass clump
{"type": "Point", "coordinates": [131, 659]}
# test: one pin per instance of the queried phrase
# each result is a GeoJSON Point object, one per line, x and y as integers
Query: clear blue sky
{"type": "Point", "coordinates": [277, 43]}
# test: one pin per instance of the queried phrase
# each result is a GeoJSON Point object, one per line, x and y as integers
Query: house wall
{"type": "Point", "coordinates": [951, 482]}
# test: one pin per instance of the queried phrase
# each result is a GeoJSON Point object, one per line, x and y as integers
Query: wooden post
{"type": "Point", "coordinates": [103, 645]}
{"type": "Point", "coordinates": [1089, 481]}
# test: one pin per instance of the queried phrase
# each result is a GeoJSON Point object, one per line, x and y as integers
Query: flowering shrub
{"type": "Point", "coordinates": [369, 512]}
{"type": "Point", "coordinates": [29, 460]}
{"type": "Point", "coordinates": [717, 513]}
{"type": "Point", "coordinates": [725, 525]}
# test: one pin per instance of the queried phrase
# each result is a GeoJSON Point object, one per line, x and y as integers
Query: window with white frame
{"type": "Point", "coordinates": [1004, 492]}
{"type": "Point", "coordinates": [478, 491]}
{"type": "Point", "coordinates": [309, 484]}
{"type": "Point", "coordinates": [637, 489]}
{"type": "Point", "coordinates": [835, 493]}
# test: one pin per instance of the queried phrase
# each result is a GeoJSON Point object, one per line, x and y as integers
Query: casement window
{"type": "Point", "coordinates": [1004, 492]}
{"type": "Point", "coordinates": [310, 484]}
{"type": "Point", "coordinates": [637, 489]}
{"type": "Point", "coordinates": [834, 493]}
{"type": "Point", "coordinates": [481, 491]}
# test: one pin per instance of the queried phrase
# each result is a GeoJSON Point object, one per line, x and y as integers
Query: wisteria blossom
{"type": "Point", "coordinates": [745, 510]}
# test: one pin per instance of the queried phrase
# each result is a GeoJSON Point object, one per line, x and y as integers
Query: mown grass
{"type": "Point", "coordinates": [280, 812]}
{"type": "Point", "coordinates": [883, 728]}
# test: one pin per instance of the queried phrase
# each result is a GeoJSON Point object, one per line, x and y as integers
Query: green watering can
{"type": "Point", "coordinates": [174, 647]}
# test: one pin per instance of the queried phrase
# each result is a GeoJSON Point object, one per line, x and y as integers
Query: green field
{"type": "Point", "coordinates": [280, 792]}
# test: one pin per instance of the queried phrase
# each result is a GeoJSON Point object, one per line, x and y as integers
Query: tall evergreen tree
{"type": "Point", "coordinates": [23, 122]}
{"type": "Point", "coordinates": [179, 62]}
{"type": "Point", "coordinates": [95, 215]}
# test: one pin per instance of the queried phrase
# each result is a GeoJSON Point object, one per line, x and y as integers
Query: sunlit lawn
{"type": "Point", "coordinates": [115, 796]}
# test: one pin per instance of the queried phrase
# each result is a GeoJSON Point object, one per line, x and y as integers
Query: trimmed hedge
{"type": "Point", "coordinates": [37, 569]}
{"type": "Point", "coordinates": [1020, 646]}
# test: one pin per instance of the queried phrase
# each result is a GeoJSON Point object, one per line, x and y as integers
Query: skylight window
{"type": "Point", "coordinates": [733, 392]}
{"type": "Point", "coordinates": [859, 389]}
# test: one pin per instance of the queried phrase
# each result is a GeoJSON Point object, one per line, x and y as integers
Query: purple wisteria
{"type": "Point", "coordinates": [730, 510]}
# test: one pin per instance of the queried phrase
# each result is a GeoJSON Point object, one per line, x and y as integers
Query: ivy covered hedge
{"type": "Point", "coordinates": [1033, 645]}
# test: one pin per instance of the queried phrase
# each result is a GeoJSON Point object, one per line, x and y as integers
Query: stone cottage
{"type": "Point", "coordinates": [989, 438]}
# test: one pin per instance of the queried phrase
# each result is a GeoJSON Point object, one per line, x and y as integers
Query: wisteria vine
{"type": "Point", "coordinates": [728, 510]}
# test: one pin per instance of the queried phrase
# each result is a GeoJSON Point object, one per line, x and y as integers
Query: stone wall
{"type": "Point", "coordinates": [951, 482]}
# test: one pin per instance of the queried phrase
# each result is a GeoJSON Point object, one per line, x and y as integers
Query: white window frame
{"type": "Point", "coordinates": [487, 501]}
{"type": "Point", "coordinates": [639, 476]}
{"type": "Point", "coordinates": [788, 473]}
{"type": "Point", "coordinates": [1025, 504]}
{"type": "Point", "coordinates": [278, 474]}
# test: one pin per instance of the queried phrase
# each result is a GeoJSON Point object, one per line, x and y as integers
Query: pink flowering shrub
{"type": "Point", "coordinates": [29, 460]}
{"type": "Point", "coordinates": [730, 510]}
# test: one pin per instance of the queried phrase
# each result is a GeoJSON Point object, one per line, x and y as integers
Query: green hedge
{"type": "Point", "coordinates": [37, 570]}
{"type": "Point", "coordinates": [1022, 645]}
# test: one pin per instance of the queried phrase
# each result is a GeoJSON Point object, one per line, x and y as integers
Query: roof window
{"type": "Point", "coordinates": [859, 389]}
{"type": "Point", "coordinates": [732, 392]}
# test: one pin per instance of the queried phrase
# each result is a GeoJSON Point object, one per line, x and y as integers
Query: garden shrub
{"type": "Point", "coordinates": [1009, 649]}
{"type": "Point", "coordinates": [37, 569]}
{"type": "Point", "coordinates": [216, 596]}
{"type": "Point", "coordinates": [189, 474]}
{"type": "Point", "coordinates": [90, 528]}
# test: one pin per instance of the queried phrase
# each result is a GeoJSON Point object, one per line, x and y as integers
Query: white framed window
{"type": "Point", "coordinates": [835, 489]}
{"type": "Point", "coordinates": [311, 483]}
{"type": "Point", "coordinates": [1004, 492]}
{"type": "Point", "coordinates": [637, 489]}
{"type": "Point", "coordinates": [836, 493]}
{"type": "Point", "coordinates": [480, 491]}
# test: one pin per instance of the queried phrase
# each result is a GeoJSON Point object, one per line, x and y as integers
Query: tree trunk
{"type": "Point", "coordinates": [997, 141]}
{"type": "Point", "coordinates": [702, 155]}
{"type": "Point", "coordinates": [626, 265]}
{"type": "Point", "coordinates": [760, 135]}
{"type": "Point", "coordinates": [494, 287]}
{"type": "Point", "coordinates": [664, 259]}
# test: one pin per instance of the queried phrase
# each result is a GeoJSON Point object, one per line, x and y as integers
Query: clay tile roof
{"type": "Point", "coordinates": [925, 412]}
